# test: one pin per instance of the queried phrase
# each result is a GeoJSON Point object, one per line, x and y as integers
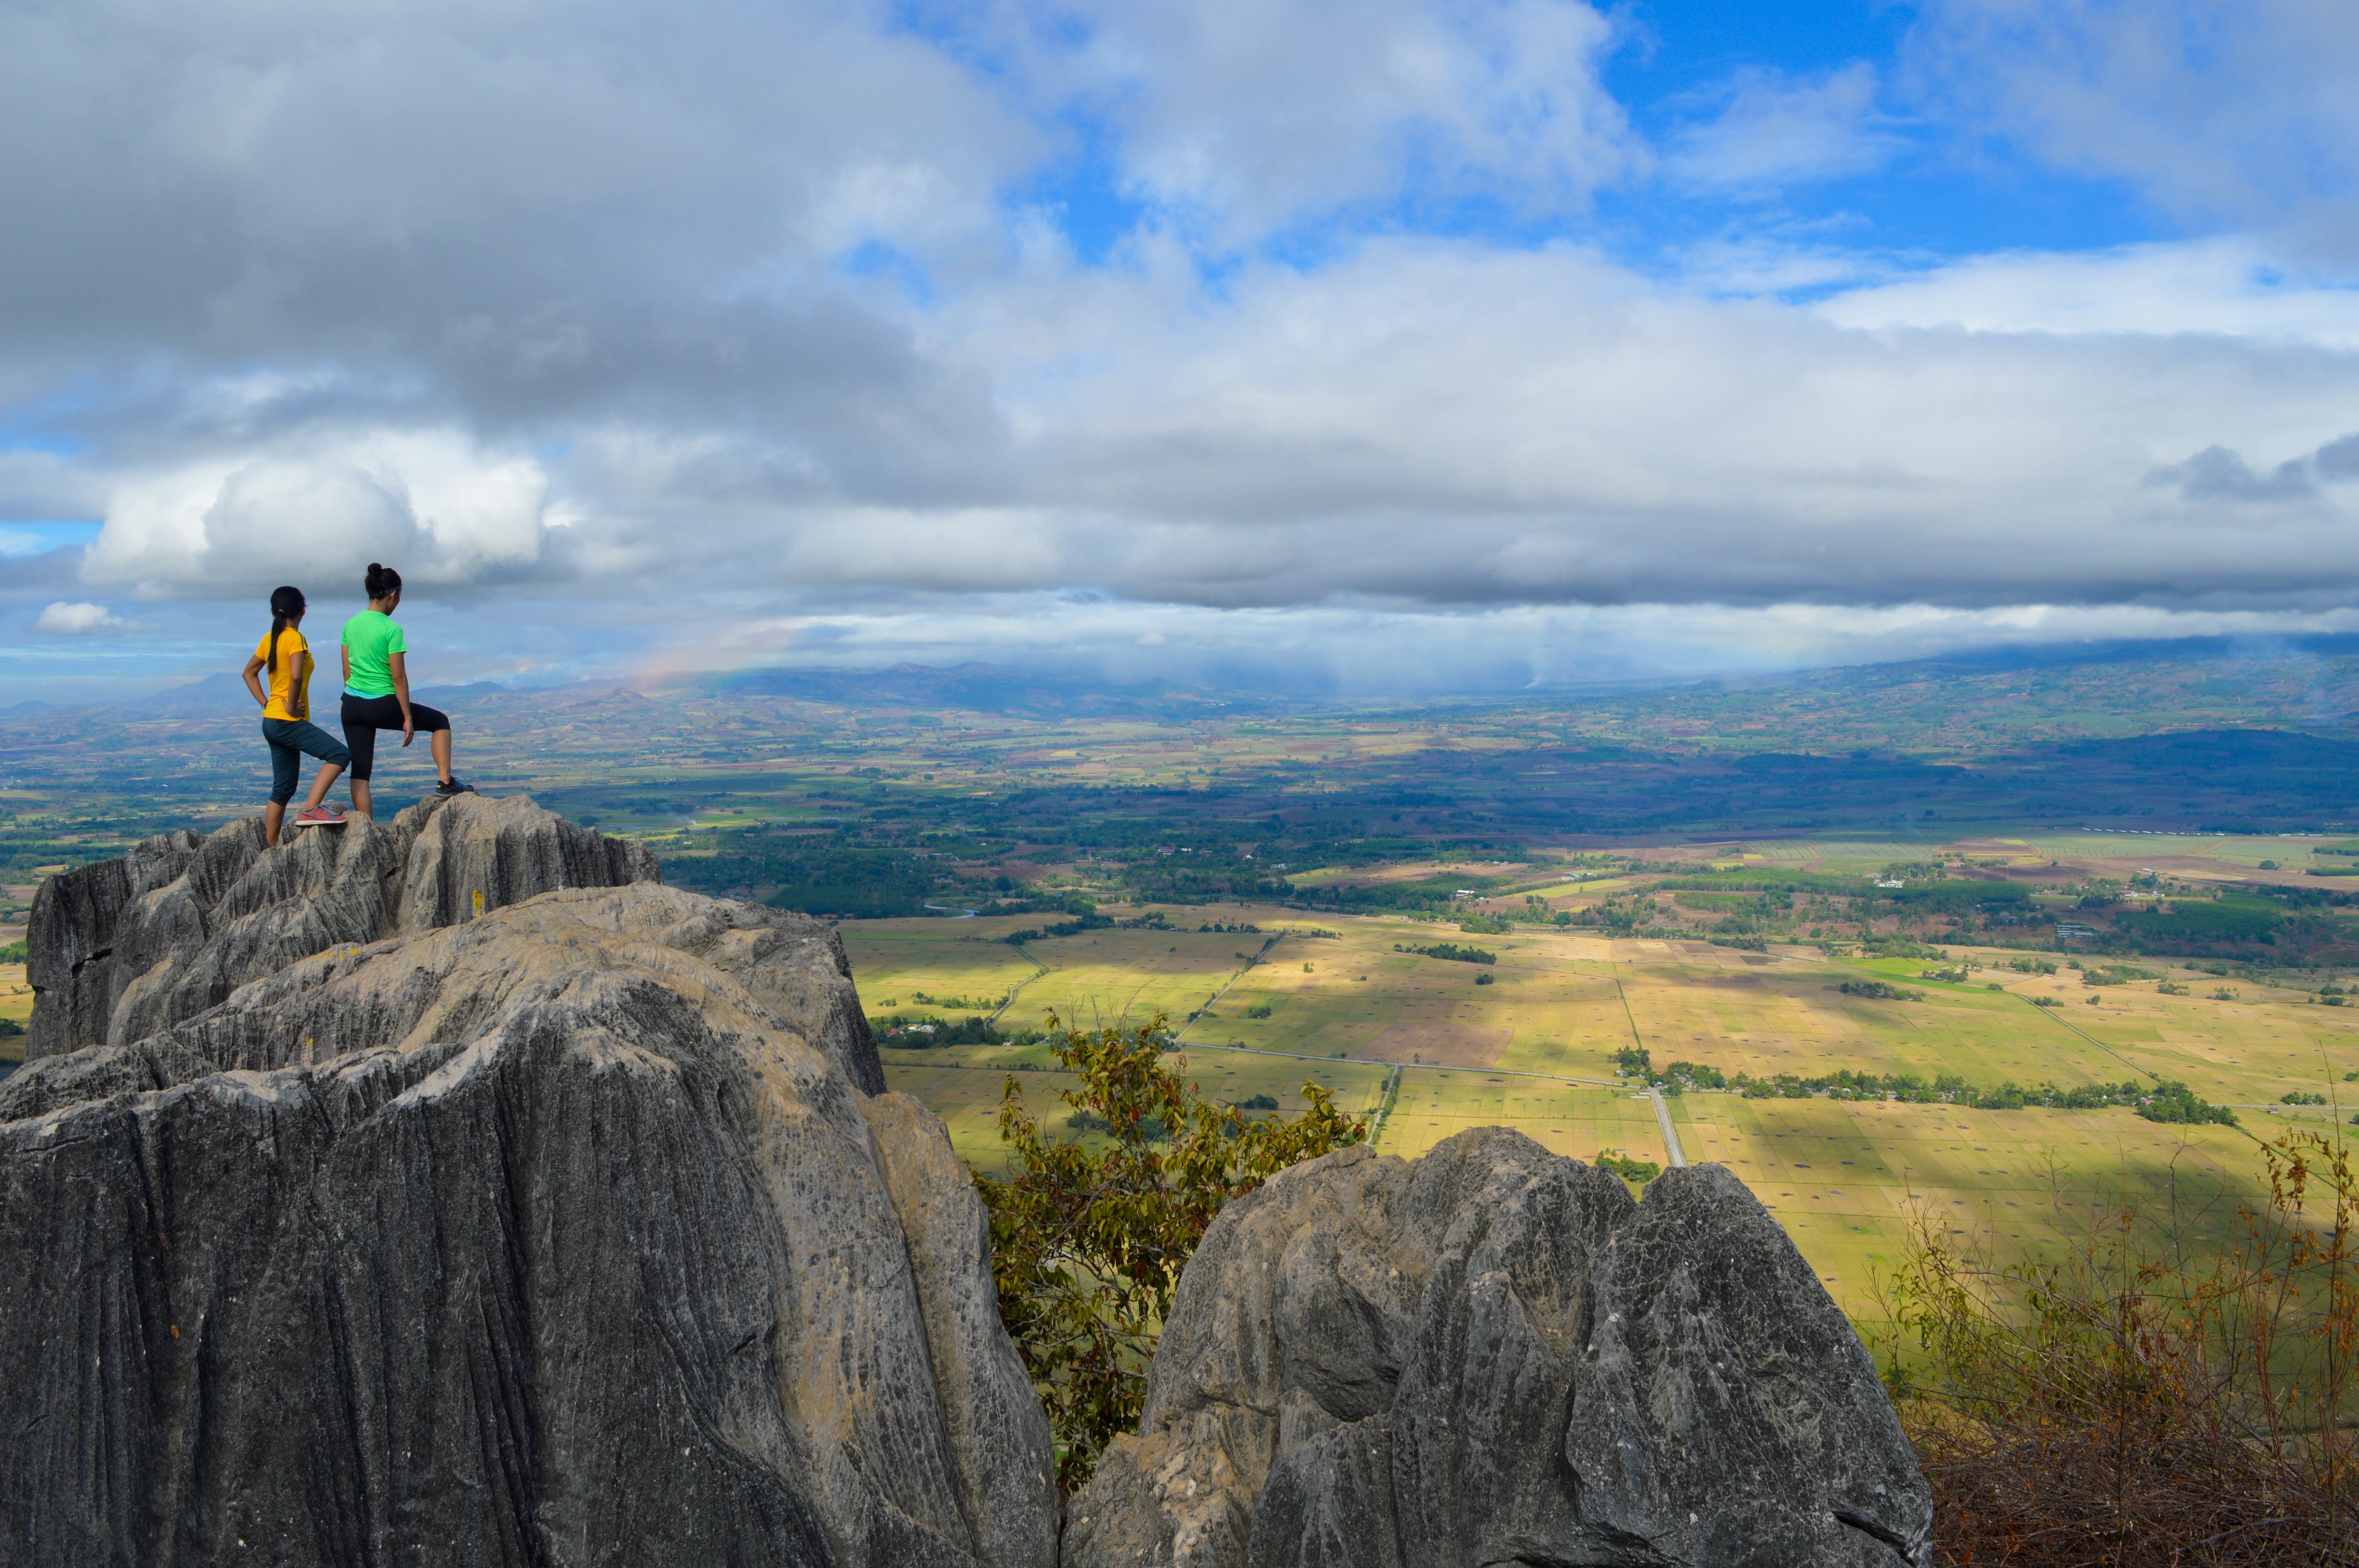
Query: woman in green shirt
{"type": "Point", "coordinates": [376, 691]}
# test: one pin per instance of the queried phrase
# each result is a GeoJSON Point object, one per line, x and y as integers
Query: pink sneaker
{"type": "Point", "coordinates": [319, 817]}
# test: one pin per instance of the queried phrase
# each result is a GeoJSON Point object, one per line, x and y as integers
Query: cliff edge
{"type": "Point", "coordinates": [366, 1228]}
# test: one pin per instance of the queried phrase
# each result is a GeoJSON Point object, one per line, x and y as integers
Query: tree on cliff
{"type": "Point", "coordinates": [1087, 1245]}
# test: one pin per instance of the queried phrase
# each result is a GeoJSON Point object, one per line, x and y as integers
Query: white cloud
{"type": "Point", "coordinates": [1446, 423]}
{"type": "Point", "coordinates": [1249, 116]}
{"type": "Point", "coordinates": [1772, 132]}
{"type": "Point", "coordinates": [444, 512]}
{"type": "Point", "coordinates": [81, 621]}
{"type": "Point", "coordinates": [2230, 286]}
{"type": "Point", "coordinates": [2233, 109]}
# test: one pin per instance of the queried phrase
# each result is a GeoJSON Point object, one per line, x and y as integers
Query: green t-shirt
{"type": "Point", "coordinates": [372, 639]}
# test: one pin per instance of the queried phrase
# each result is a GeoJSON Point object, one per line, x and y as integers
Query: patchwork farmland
{"type": "Point", "coordinates": [1534, 1040]}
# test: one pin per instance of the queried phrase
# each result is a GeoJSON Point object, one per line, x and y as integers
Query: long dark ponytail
{"type": "Point", "coordinates": [286, 603]}
{"type": "Point", "coordinates": [381, 580]}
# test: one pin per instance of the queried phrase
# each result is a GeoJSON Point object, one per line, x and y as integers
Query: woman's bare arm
{"type": "Point", "coordinates": [253, 667]}
{"type": "Point", "coordinates": [397, 665]}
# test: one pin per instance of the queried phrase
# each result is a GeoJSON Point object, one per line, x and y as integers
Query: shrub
{"type": "Point", "coordinates": [13, 953]}
{"type": "Point", "coordinates": [1878, 990]}
{"type": "Point", "coordinates": [1456, 954]}
{"type": "Point", "coordinates": [1485, 978]}
{"type": "Point", "coordinates": [1638, 1172]}
{"type": "Point", "coordinates": [920, 1033]}
{"type": "Point", "coordinates": [2173, 1101]}
{"type": "Point", "coordinates": [2151, 1399]}
{"type": "Point", "coordinates": [1258, 1010]}
{"type": "Point", "coordinates": [1087, 1245]}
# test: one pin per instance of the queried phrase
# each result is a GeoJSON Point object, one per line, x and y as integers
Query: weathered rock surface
{"type": "Point", "coordinates": [1493, 1356]}
{"type": "Point", "coordinates": [566, 1234]}
{"type": "Point", "coordinates": [122, 948]}
{"type": "Point", "coordinates": [452, 1193]}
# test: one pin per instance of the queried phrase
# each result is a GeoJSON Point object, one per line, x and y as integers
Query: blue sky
{"type": "Point", "coordinates": [1409, 345]}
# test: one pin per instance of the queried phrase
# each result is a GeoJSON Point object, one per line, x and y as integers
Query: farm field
{"type": "Point", "coordinates": [1535, 1049]}
{"type": "Point", "coordinates": [15, 1006]}
{"type": "Point", "coordinates": [15, 995]}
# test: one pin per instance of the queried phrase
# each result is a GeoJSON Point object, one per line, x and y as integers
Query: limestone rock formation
{"type": "Point", "coordinates": [122, 948]}
{"type": "Point", "coordinates": [568, 1234]}
{"type": "Point", "coordinates": [452, 1193]}
{"type": "Point", "coordinates": [1493, 1356]}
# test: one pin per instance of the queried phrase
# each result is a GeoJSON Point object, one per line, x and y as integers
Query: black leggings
{"type": "Point", "coordinates": [364, 716]}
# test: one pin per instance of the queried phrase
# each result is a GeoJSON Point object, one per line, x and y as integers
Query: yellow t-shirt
{"type": "Point", "coordinates": [291, 683]}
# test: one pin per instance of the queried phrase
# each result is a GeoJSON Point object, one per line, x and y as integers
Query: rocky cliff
{"type": "Point", "coordinates": [122, 949]}
{"type": "Point", "coordinates": [453, 1193]}
{"type": "Point", "coordinates": [1493, 1356]}
{"type": "Point", "coordinates": [375, 1229]}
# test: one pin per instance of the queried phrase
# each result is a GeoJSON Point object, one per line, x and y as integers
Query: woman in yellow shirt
{"type": "Point", "coordinates": [286, 717]}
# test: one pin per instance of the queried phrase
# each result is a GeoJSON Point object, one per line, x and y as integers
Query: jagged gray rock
{"type": "Point", "coordinates": [560, 1236]}
{"type": "Point", "coordinates": [124, 948]}
{"type": "Point", "coordinates": [453, 1193]}
{"type": "Point", "coordinates": [1492, 1356]}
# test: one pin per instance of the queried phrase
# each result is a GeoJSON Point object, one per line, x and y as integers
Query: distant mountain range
{"type": "Point", "coordinates": [2307, 682]}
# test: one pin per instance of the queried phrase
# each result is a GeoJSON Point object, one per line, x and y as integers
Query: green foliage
{"type": "Point", "coordinates": [13, 953]}
{"type": "Point", "coordinates": [1201, 873]}
{"type": "Point", "coordinates": [1484, 925]}
{"type": "Point", "coordinates": [2201, 922]}
{"type": "Point", "coordinates": [1878, 990]}
{"type": "Point", "coordinates": [1791, 881]}
{"type": "Point", "coordinates": [2166, 1100]}
{"type": "Point", "coordinates": [1957, 898]}
{"type": "Point", "coordinates": [1087, 1244]}
{"type": "Point", "coordinates": [1073, 927]}
{"type": "Point", "coordinates": [818, 874]}
{"type": "Point", "coordinates": [1693, 1075]}
{"type": "Point", "coordinates": [1634, 1059]}
{"type": "Point", "coordinates": [905, 1033]}
{"type": "Point", "coordinates": [1484, 978]}
{"type": "Point", "coordinates": [2173, 1101]}
{"type": "Point", "coordinates": [1455, 953]}
{"type": "Point", "coordinates": [1638, 1172]}
{"type": "Point", "coordinates": [10, 1028]}
{"type": "Point", "coordinates": [2031, 965]}
{"type": "Point", "coordinates": [1259, 1009]}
